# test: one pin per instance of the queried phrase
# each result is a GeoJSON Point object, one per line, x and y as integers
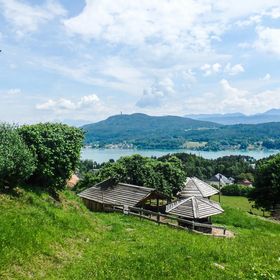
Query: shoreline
{"type": "Point", "coordinates": [101, 155]}
{"type": "Point", "coordinates": [184, 149]}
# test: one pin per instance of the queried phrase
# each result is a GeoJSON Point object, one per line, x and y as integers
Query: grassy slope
{"type": "Point", "coordinates": [241, 203]}
{"type": "Point", "coordinates": [41, 239]}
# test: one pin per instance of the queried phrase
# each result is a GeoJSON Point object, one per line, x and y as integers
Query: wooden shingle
{"type": "Point", "coordinates": [112, 193]}
{"type": "Point", "coordinates": [195, 187]}
{"type": "Point", "coordinates": [194, 208]}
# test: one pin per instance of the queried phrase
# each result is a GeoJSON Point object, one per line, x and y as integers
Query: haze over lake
{"type": "Point", "coordinates": [103, 155]}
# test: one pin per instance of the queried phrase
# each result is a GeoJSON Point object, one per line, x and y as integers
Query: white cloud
{"type": "Point", "coordinates": [132, 22]}
{"type": "Point", "coordinates": [252, 20]}
{"type": "Point", "coordinates": [233, 94]}
{"type": "Point", "coordinates": [266, 77]}
{"type": "Point", "coordinates": [155, 95]}
{"type": "Point", "coordinates": [232, 99]}
{"type": "Point", "coordinates": [234, 69]}
{"type": "Point", "coordinates": [88, 100]}
{"type": "Point", "coordinates": [111, 72]}
{"type": "Point", "coordinates": [14, 92]}
{"type": "Point", "coordinates": [216, 67]}
{"type": "Point", "coordinates": [189, 76]}
{"type": "Point", "coordinates": [26, 18]}
{"type": "Point", "coordinates": [211, 69]}
{"type": "Point", "coordinates": [118, 69]}
{"type": "Point", "coordinates": [59, 104]}
{"type": "Point", "coordinates": [11, 94]}
{"type": "Point", "coordinates": [62, 104]}
{"type": "Point", "coordinates": [274, 13]}
{"type": "Point", "coordinates": [268, 40]}
{"type": "Point", "coordinates": [189, 24]}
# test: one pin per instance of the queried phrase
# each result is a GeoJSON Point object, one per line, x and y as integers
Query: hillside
{"type": "Point", "coordinates": [143, 130]}
{"type": "Point", "coordinates": [44, 239]}
{"type": "Point", "coordinates": [167, 132]}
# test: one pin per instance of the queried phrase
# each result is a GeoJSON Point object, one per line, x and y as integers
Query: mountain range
{"type": "Point", "coordinates": [172, 132]}
{"type": "Point", "coordinates": [272, 115]}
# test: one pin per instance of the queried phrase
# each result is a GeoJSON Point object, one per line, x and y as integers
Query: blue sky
{"type": "Point", "coordinates": [86, 60]}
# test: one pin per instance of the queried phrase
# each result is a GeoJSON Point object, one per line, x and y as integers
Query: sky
{"type": "Point", "coordinates": [82, 61]}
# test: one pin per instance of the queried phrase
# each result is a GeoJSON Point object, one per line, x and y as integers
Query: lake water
{"type": "Point", "coordinates": [103, 155]}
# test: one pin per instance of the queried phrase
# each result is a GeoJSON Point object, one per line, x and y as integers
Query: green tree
{"type": "Point", "coordinates": [267, 183]}
{"type": "Point", "coordinates": [173, 173]}
{"type": "Point", "coordinates": [86, 166]}
{"type": "Point", "coordinates": [17, 162]}
{"type": "Point", "coordinates": [167, 176]}
{"type": "Point", "coordinates": [57, 148]}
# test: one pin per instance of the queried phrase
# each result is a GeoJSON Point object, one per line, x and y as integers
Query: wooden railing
{"type": "Point", "coordinates": [165, 219]}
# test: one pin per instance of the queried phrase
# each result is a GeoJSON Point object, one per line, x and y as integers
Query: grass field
{"type": "Point", "coordinates": [43, 239]}
{"type": "Point", "coordinates": [241, 203]}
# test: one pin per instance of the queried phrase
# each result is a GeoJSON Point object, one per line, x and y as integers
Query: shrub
{"type": "Point", "coordinates": [57, 148]}
{"type": "Point", "coordinates": [17, 162]}
{"type": "Point", "coordinates": [236, 190]}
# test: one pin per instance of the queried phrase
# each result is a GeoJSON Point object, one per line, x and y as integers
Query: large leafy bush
{"type": "Point", "coordinates": [236, 190]}
{"type": "Point", "coordinates": [57, 148]}
{"type": "Point", "coordinates": [16, 161]}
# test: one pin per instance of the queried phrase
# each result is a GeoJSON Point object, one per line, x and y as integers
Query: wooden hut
{"type": "Point", "coordinates": [109, 193]}
{"type": "Point", "coordinates": [197, 209]}
{"type": "Point", "coordinates": [197, 188]}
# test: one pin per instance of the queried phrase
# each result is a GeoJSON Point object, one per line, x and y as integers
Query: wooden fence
{"type": "Point", "coordinates": [169, 220]}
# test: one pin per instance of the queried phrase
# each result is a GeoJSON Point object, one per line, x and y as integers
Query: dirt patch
{"type": "Point", "coordinates": [220, 233]}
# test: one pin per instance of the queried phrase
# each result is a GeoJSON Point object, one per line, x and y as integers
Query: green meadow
{"type": "Point", "coordinates": [241, 203]}
{"type": "Point", "coordinates": [43, 239]}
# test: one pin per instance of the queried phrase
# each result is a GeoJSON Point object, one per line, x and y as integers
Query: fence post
{"type": "Point", "coordinates": [158, 217]}
{"type": "Point", "coordinates": [192, 225]}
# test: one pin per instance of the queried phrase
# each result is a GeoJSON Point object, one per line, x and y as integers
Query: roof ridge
{"type": "Point", "coordinates": [177, 203]}
{"type": "Point", "coordinates": [136, 186]}
{"type": "Point", "coordinates": [195, 207]}
{"type": "Point", "coordinates": [197, 186]}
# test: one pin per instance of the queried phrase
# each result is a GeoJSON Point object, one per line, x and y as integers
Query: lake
{"type": "Point", "coordinates": [103, 155]}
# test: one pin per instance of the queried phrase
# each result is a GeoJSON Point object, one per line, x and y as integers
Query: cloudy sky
{"type": "Point", "coordinates": [86, 60]}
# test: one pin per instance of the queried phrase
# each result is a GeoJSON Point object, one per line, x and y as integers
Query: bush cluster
{"type": "Point", "coordinates": [17, 162]}
{"type": "Point", "coordinates": [44, 154]}
{"type": "Point", "coordinates": [236, 190]}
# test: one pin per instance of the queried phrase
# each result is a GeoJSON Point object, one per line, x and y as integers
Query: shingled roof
{"type": "Point", "coordinates": [194, 208]}
{"type": "Point", "coordinates": [111, 192]}
{"type": "Point", "coordinates": [195, 187]}
{"type": "Point", "coordinates": [222, 179]}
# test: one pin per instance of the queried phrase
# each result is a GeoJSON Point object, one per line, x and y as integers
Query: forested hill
{"type": "Point", "coordinates": [163, 131]}
{"type": "Point", "coordinates": [143, 131]}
